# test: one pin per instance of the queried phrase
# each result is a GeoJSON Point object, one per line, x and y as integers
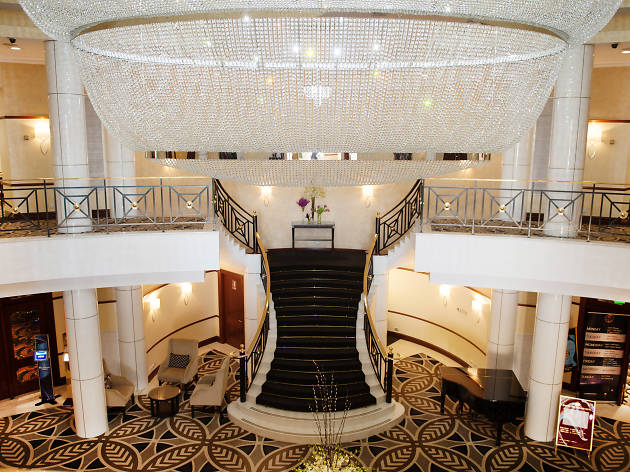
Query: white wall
{"type": "Point", "coordinates": [353, 214]}
{"type": "Point", "coordinates": [64, 262]}
{"type": "Point", "coordinates": [20, 159]}
{"type": "Point", "coordinates": [553, 265]}
{"type": "Point", "coordinates": [411, 293]}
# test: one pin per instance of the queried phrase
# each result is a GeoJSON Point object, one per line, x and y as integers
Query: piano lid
{"type": "Point", "coordinates": [488, 384]}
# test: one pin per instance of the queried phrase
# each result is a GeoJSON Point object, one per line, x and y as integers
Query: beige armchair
{"type": "Point", "coordinates": [180, 375]}
{"type": "Point", "coordinates": [119, 395]}
{"type": "Point", "coordinates": [210, 390]}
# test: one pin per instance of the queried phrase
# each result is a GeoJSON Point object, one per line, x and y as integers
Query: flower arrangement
{"type": "Point", "coordinates": [313, 193]}
{"type": "Point", "coordinates": [302, 202]}
{"type": "Point", "coordinates": [319, 210]}
{"type": "Point", "coordinates": [341, 461]}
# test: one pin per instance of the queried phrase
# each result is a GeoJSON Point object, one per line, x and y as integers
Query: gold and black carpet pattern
{"type": "Point", "coordinates": [424, 441]}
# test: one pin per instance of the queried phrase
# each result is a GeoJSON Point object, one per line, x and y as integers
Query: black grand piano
{"type": "Point", "coordinates": [494, 393]}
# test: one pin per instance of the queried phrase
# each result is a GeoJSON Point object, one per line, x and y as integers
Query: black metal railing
{"type": "Point", "coordinates": [249, 359]}
{"type": "Point", "coordinates": [533, 208]}
{"type": "Point", "coordinates": [382, 360]}
{"type": "Point", "coordinates": [51, 206]}
{"type": "Point", "coordinates": [237, 221]}
{"type": "Point", "coordinates": [394, 224]}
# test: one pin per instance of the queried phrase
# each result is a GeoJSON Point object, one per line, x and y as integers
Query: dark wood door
{"type": "Point", "coordinates": [231, 308]}
{"type": "Point", "coordinates": [21, 318]}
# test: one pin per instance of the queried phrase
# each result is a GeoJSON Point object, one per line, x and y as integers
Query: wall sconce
{"type": "Point", "coordinates": [594, 138]}
{"type": "Point", "coordinates": [368, 194]}
{"type": "Point", "coordinates": [186, 291]}
{"type": "Point", "coordinates": [154, 305]}
{"type": "Point", "coordinates": [41, 133]}
{"type": "Point", "coordinates": [265, 193]}
{"type": "Point", "coordinates": [445, 291]}
{"type": "Point", "coordinates": [477, 305]}
{"type": "Point", "coordinates": [66, 357]}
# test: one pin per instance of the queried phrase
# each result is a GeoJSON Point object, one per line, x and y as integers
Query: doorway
{"type": "Point", "coordinates": [21, 318]}
{"type": "Point", "coordinates": [231, 308]}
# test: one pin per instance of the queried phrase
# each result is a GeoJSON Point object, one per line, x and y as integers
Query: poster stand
{"type": "Point", "coordinates": [576, 424]}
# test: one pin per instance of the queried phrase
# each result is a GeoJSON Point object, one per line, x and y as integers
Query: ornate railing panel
{"type": "Point", "coordinates": [382, 360]}
{"type": "Point", "coordinates": [394, 224]}
{"type": "Point", "coordinates": [100, 205]}
{"type": "Point", "coordinates": [249, 360]}
{"type": "Point", "coordinates": [241, 224]}
{"type": "Point", "coordinates": [560, 209]}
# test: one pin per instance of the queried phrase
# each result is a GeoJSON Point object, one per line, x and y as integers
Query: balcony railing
{"type": "Point", "coordinates": [567, 209]}
{"type": "Point", "coordinates": [49, 206]}
{"type": "Point", "coordinates": [237, 221]}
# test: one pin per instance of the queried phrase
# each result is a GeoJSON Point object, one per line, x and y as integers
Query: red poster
{"type": "Point", "coordinates": [576, 422]}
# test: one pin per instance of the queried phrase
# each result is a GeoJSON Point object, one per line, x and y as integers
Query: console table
{"type": "Point", "coordinates": [313, 232]}
{"type": "Point", "coordinates": [494, 393]}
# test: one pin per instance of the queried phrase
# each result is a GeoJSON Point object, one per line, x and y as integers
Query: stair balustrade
{"type": "Point", "coordinates": [394, 224]}
{"type": "Point", "coordinates": [249, 359]}
{"type": "Point", "coordinates": [382, 359]}
{"type": "Point", "coordinates": [240, 223]}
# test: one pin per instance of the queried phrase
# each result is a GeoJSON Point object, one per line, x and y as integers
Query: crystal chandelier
{"type": "Point", "coordinates": [330, 75]}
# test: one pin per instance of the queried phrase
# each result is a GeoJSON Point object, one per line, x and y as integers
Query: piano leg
{"type": "Point", "coordinates": [499, 431]}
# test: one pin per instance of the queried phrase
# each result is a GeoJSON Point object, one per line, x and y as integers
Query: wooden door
{"type": "Point", "coordinates": [231, 308]}
{"type": "Point", "coordinates": [21, 318]}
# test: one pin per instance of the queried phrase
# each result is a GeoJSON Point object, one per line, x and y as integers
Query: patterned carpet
{"type": "Point", "coordinates": [424, 441]}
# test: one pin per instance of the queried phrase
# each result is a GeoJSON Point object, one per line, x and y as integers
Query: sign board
{"type": "Point", "coordinates": [602, 356]}
{"type": "Point", "coordinates": [576, 423]}
{"type": "Point", "coordinates": [42, 357]}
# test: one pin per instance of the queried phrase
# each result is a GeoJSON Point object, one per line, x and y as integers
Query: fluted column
{"type": "Point", "coordinates": [547, 365]}
{"type": "Point", "coordinates": [130, 320]}
{"type": "Point", "coordinates": [516, 166]}
{"type": "Point", "coordinates": [502, 329]}
{"type": "Point", "coordinates": [568, 140]}
{"type": "Point", "coordinates": [86, 362]}
{"type": "Point", "coordinates": [66, 104]}
{"type": "Point", "coordinates": [121, 169]}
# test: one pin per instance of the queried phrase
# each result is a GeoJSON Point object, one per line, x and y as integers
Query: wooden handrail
{"type": "Point", "coordinates": [365, 296]}
{"type": "Point", "coordinates": [261, 323]}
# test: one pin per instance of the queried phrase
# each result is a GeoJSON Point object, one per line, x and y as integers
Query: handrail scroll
{"type": "Point", "coordinates": [382, 359]}
{"type": "Point", "coordinates": [250, 358]}
{"type": "Point", "coordinates": [240, 223]}
{"type": "Point", "coordinates": [394, 224]}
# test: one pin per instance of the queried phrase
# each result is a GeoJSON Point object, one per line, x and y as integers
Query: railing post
{"type": "Point", "coordinates": [389, 375]}
{"type": "Point", "coordinates": [378, 232]}
{"type": "Point", "coordinates": [590, 215]}
{"type": "Point", "coordinates": [254, 231]}
{"type": "Point", "coordinates": [162, 203]}
{"type": "Point", "coordinates": [243, 374]}
{"type": "Point", "coordinates": [45, 210]}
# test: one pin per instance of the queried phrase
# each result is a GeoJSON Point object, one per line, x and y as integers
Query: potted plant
{"type": "Point", "coordinates": [313, 193]}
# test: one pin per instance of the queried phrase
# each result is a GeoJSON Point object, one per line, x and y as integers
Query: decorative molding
{"type": "Point", "coordinates": [179, 329]}
{"type": "Point", "coordinates": [440, 326]}
{"type": "Point", "coordinates": [433, 347]}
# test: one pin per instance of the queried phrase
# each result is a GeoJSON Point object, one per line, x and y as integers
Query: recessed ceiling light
{"type": "Point", "coordinates": [625, 51]}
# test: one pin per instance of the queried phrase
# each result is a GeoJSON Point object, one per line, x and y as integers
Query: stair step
{"type": "Point", "coordinates": [308, 343]}
{"type": "Point", "coordinates": [316, 291]}
{"type": "Point", "coordinates": [284, 402]}
{"type": "Point", "coordinates": [355, 284]}
{"type": "Point", "coordinates": [288, 273]}
{"type": "Point", "coordinates": [310, 377]}
{"type": "Point", "coordinates": [284, 301]}
{"type": "Point", "coordinates": [286, 321]}
{"type": "Point", "coordinates": [314, 310]}
{"type": "Point", "coordinates": [309, 390]}
{"type": "Point", "coordinates": [316, 353]}
{"type": "Point", "coordinates": [347, 330]}
{"type": "Point", "coordinates": [308, 365]}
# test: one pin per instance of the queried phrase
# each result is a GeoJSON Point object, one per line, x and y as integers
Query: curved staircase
{"type": "Point", "coordinates": [316, 295]}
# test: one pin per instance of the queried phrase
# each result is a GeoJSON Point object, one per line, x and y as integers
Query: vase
{"type": "Point", "coordinates": [319, 219]}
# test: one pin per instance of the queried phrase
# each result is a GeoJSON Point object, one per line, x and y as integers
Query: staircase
{"type": "Point", "coordinates": [316, 295]}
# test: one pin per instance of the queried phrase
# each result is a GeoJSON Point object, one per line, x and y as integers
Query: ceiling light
{"type": "Point", "coordinates": [625, 51]}
{"type": "Point", "coordinates": [153, 53]}
{"type": "Point", "coordinates": [13, 45]}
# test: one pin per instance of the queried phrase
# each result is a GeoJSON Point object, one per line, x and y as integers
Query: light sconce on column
{"type": "Point", "coordinates": [186, 292]}
{"type": "Point", "coordinates": [154, 304]}
{"type": "Point", "coordinates": [265, 193]}
{"type": "Point", "coordinates": [594, 139]}
{"type": "Point", "coordinates": [368, 194]}
{"type": "Point", "coordinates": [445, 291]}
{"type": "Point", "coordinates": [41, 133]}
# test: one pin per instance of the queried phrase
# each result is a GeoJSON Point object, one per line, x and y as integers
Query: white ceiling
{"type": "Point", "coordinates": [606, 56]}
{"type": "Point", "coordinates": [32, 51]}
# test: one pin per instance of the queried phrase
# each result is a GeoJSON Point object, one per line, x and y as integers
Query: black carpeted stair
{"type": "Point", "coordinates": [316, 295]}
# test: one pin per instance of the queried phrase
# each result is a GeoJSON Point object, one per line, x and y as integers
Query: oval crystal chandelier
{"type": "Point", "coordinates": [330, 75]}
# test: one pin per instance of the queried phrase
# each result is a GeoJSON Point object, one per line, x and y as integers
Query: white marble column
{"type": "Point", "coordinates": [502, 329]}
{"type": "Point", "coordinates": [86, 362]}
{"type": "Point", "coordinates": [66, 104]}
{"type": "Point", "coordinates": [547, 365]}
{"type": "Point", "coordinates": [121, 169]}
{"type": "Point", "coordinates": [254, 293]}
{"type": "Point", "coordinates": [516, 166]}
{"type": "Point", "coordinates": [130, 320]}
{"type": "Point", "coordinates": [568, 141]}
